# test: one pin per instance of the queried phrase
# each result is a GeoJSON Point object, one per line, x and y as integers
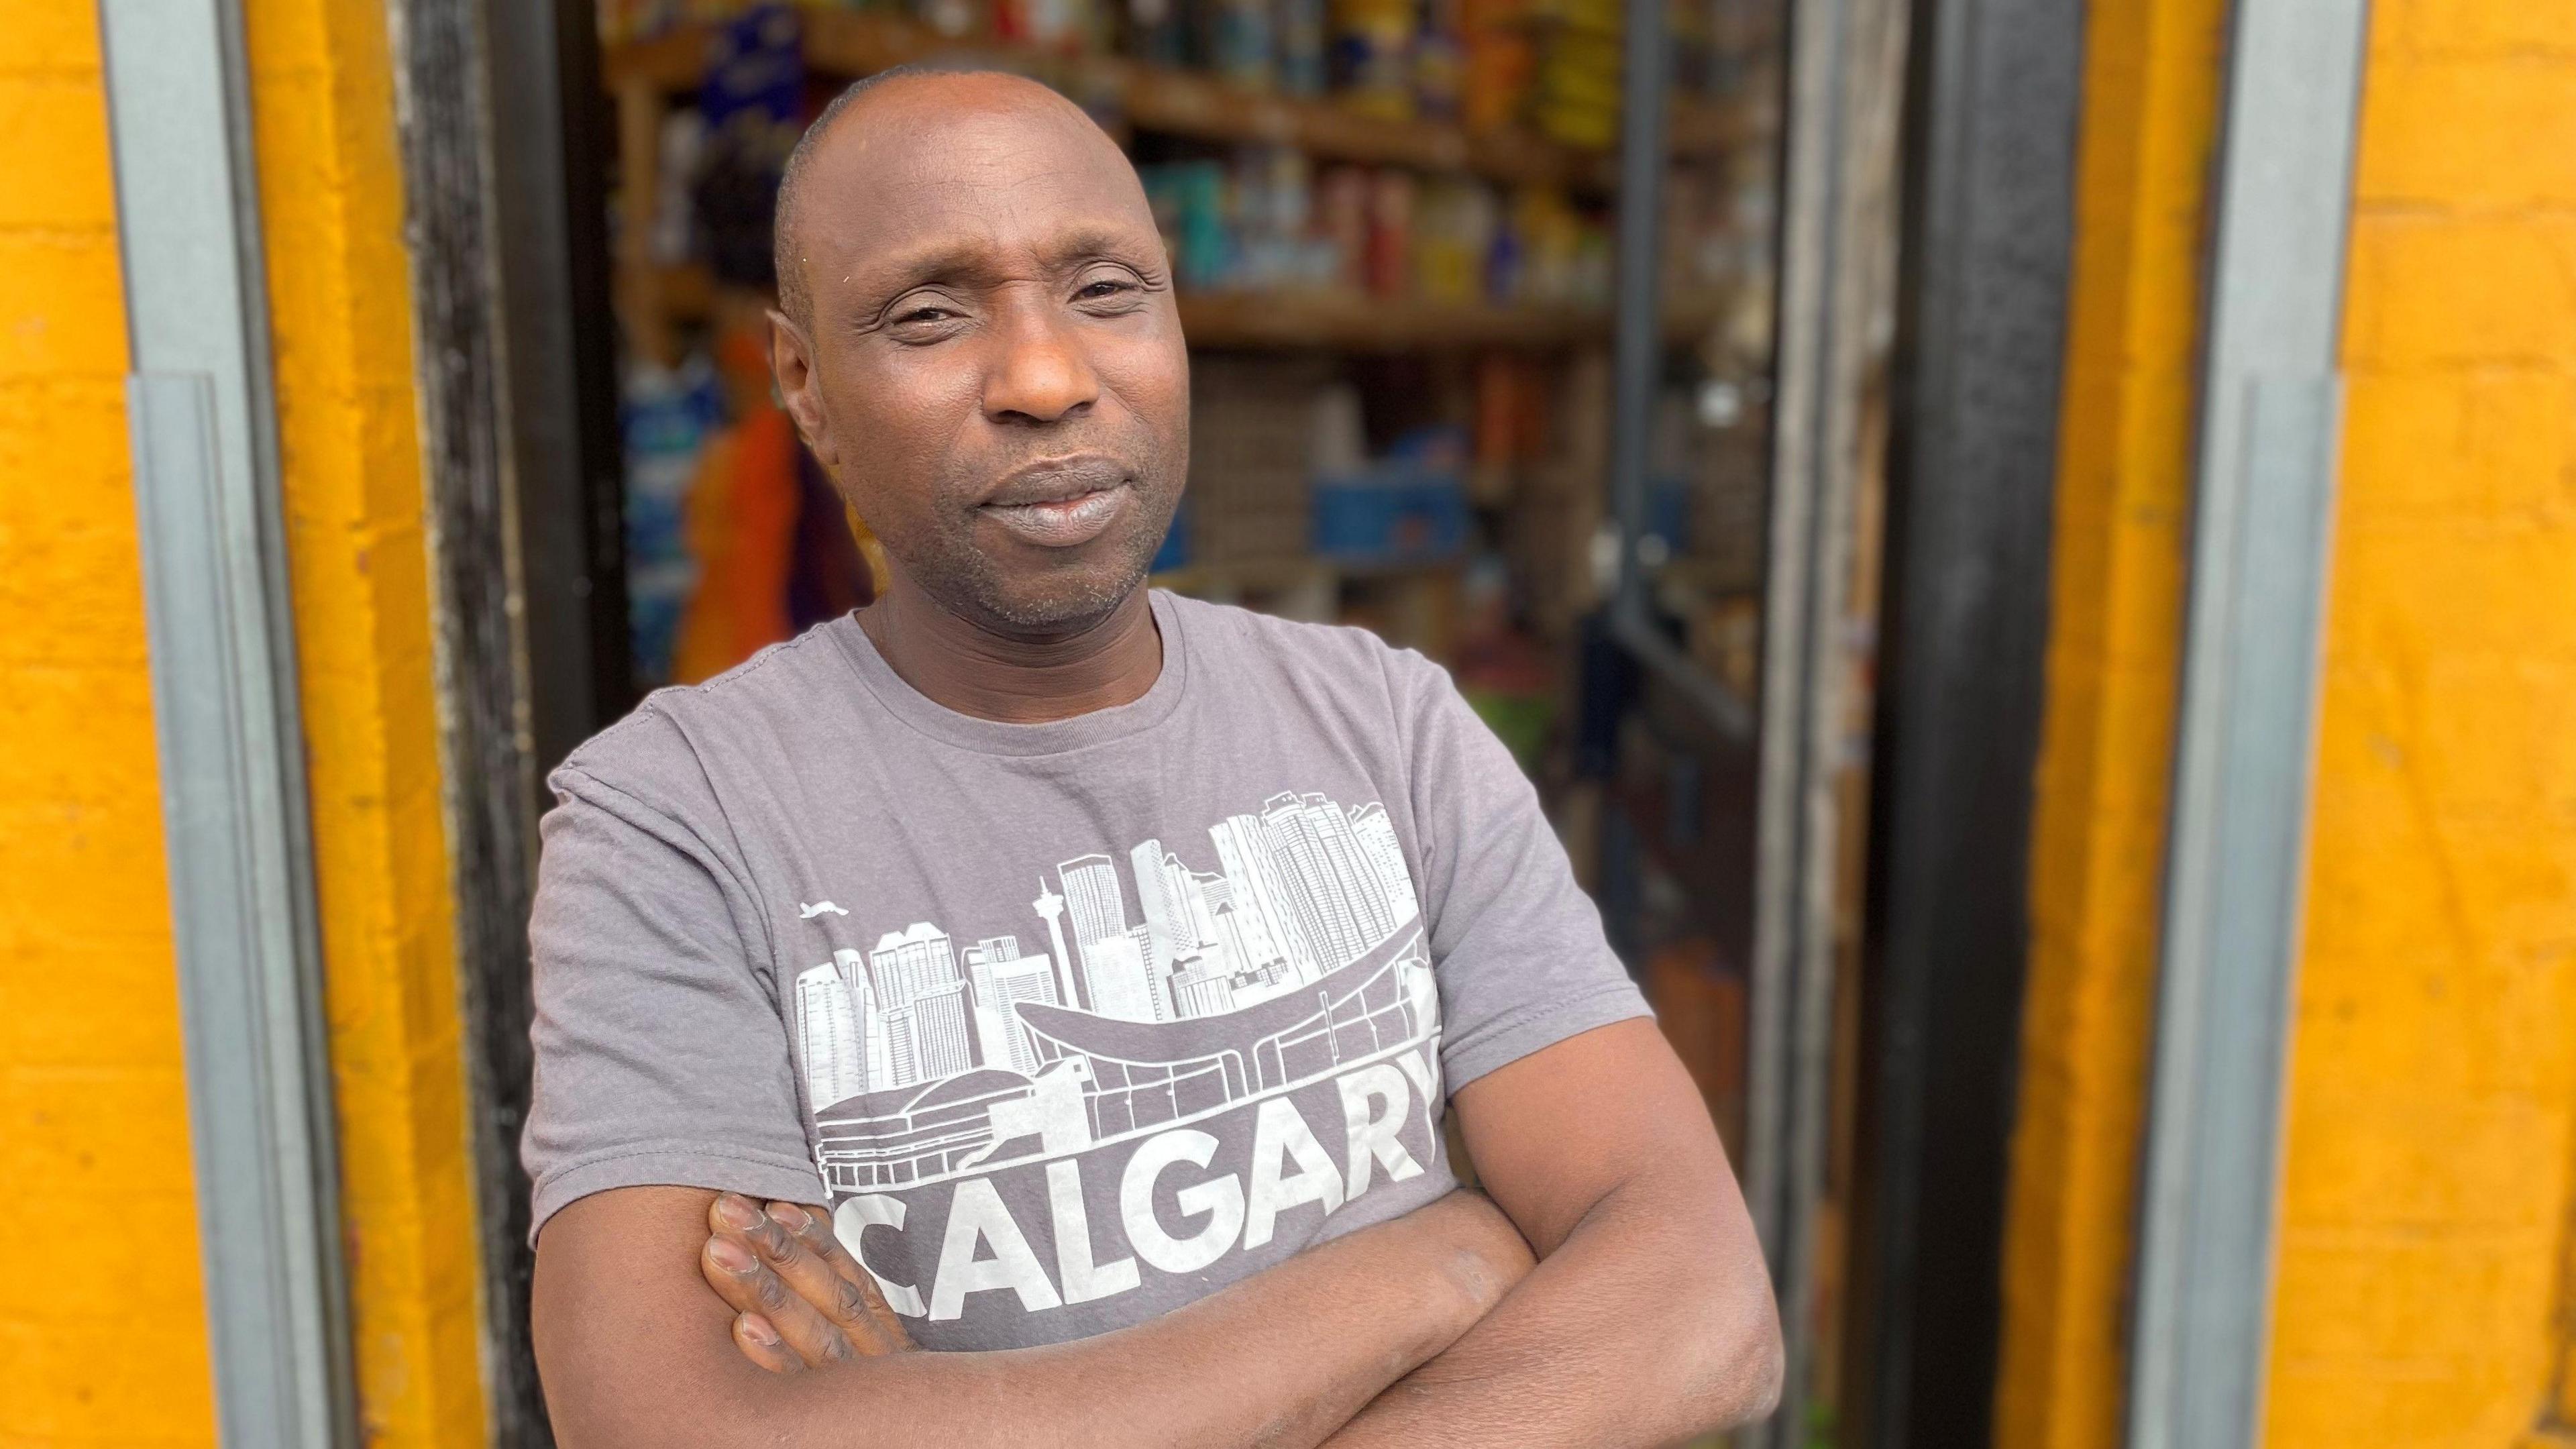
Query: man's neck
{"type": "Point", "coordinates": [972, 670]}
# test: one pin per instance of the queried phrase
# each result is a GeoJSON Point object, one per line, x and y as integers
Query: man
{"type": "Point", "coordinates": [1107, 961]}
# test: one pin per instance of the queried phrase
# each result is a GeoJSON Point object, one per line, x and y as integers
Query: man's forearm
{"type": "Point", "coordinates": [1633, 1332]}
{"type": "Point", "coordinates": [1281, 1359]}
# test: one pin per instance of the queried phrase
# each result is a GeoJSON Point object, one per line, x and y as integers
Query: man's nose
{"type": "Point", "coordinates": [1042, 374]}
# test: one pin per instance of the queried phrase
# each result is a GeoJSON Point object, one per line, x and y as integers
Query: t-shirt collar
{"type": "Point", "coordinates": [1049, 737]}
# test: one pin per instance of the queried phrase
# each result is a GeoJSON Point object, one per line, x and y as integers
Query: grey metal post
{"type": "Point", "coordinates": [2235, 865]}
{"type": "Point", "coordinates": [1637, 367]}
{"type": "Point", "coordinates": [1637, 359]}
{"type": "Point", "coordinates": [203, 422]}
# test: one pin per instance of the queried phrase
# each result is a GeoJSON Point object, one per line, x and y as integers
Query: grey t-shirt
{"type": "Point", "coordinates": [1074, 1022]}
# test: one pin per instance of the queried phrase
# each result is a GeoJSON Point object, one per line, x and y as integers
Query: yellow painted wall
{"type": "Point", "coordinates": [93, 1099]}
{"type": "Point", "coordinates": [2432, 1110]}
{"type": "Point", "coordinates": [102, 1337]}
{"type": "Point", "coordinates": [340, 306]}
{"type": "Point", "coordinates": [2151, 100]}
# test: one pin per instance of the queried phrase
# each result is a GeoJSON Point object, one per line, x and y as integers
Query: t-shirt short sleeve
{"type": "Point", "coordinates": [1516, 946]}
{"type": "Point", "coordinates": [661, 1056]}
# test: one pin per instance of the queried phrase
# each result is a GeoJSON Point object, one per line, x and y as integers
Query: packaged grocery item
{"type": "Point", "coordinates": [1408, 507]}
{"type": "Point", "coordinates": [1242, 42]}
{"type": "Point", "coordinates": [1342, 220]}
{"type": "Point", "coordinates": [664, 417]}
{"type": "Point", "coordinates": [1389, 263]}
{"type": "Point", "coordinates": [1300, 35]}
{"type": "Point", "coordinates": [1372, 56]}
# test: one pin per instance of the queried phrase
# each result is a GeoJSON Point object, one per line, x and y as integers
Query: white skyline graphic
{"type": "Point", "coordinates": [982, 1038]}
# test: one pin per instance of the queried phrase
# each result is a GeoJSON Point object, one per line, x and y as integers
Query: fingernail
{"type": "Point", "coordinates": [731, 1256]}
{"type": "Point", "coordinates": [757, 1329]}
{"type": "Point", "coordinates": [790, 1216]}
{"type": "Point", "coordinates": [737, 1212]}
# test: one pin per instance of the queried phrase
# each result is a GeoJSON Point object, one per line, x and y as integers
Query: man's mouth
{"type": "Point", "coordinates": [1060, 504]}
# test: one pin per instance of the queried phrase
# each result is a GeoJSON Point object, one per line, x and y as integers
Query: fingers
{"type": "Point", "coordinates": [761, 1344]}
{"type": "Point", "coordinates": [858, 1305]}
{"type": "Point", "coordinates": [739, 1266]}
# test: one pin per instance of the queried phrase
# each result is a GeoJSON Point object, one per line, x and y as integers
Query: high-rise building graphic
{"type": "Point", "coordinates": [943, 1038]}
{"type": "Point", "coordinates": [829, 1037]}
{"type": "Point", "coordinates": [903, 964]}
{"type": "Point", "coordinates": [999, 989]}
{"type": "Point", "coordinates": [1376, 835]}
{"type": "Point", "coordinates": [990, 949]}
{"type": "Point", "coordinates": [873, 1048]}
{"type": "Point", "coordinates": [1002, 978]}
{"type": "Point", "coordinates": [1262, 904]}
{"type": "Point", "coordinates": [902, 1048]}
{"type": "Point", "coordinates": [1092, 897]}
{"type": "Point", "coordinates": [1114, 968]}
{"type": "Point", "coordinates": [1338, 896]}
{"type": "Point", "coordinates": [1167, 929]}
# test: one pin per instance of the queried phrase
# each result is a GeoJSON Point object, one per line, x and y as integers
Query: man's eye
{"type": "Point", "coordinates": [924, 314]}
{"type": "Point", "coordinates": [1103, 287]}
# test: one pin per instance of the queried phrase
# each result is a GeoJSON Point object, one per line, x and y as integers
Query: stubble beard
{"type": "Point", "coordinates": [972, 584]}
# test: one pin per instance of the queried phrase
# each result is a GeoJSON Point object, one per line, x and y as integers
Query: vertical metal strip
{"type": "Point", "coordinates": [2235, 865]}
{"type": "Point", "coordinates": [1795, 625]}
{"type": "Point", "coordinates": [1637, 366]}
{"type": "Point", "coordinates": [1808, 232]}
{"type": "Point", "coordinates": [1637, 361]}
{"type": "Point", "coordinates": [1836, 317]}
{"type": "Point", "coordinates": [202, 416]}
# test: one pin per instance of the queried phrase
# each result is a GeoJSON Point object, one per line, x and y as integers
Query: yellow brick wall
{"type": "Point", "coordinates": [2151, 93]}
{"type": "Point", "coordinates": [93, 1100]}
{"type": "Point", "coordinates": [340, 305]}
{"type": "Point", "coordinates": [2431, 1122]}
{"type": "Point", "coordinates": [93, 1126]}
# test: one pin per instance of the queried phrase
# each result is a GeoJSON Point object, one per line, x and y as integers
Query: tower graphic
{"type": "Point", "coordinates": [1051, 906]}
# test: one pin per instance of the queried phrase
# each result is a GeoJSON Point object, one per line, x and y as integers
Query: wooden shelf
{"type": "Point", "coordinates": [1356, 322]}
{"type": "Point", "coordinates": [1340, 321]}
{"type": "Point", "coordinates": [1351, 322]}
{"type": "Point", "coordinates": [1186, 103]}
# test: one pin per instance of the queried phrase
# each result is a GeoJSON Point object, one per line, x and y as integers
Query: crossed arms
{"type": "Point", "coordinates": [1609, 1294]}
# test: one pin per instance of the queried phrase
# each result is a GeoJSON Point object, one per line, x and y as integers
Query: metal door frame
{"type": "Point", "coordinates": [1835, 328]}
{"type": "Point", "coordinates": [202, 411]}
{"type": "Point", "coordinates": [2270, 428]}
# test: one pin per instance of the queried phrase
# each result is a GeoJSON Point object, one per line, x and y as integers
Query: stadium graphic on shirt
{"type": "Point", "coordinates": [1301, 955]}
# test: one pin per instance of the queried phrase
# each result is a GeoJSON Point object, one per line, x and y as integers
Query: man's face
{"type": "Point", "coordinates": [993, 371]}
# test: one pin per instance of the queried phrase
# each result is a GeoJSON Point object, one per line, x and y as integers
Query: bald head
{"type": "Point", "coordinates": [912, 101]}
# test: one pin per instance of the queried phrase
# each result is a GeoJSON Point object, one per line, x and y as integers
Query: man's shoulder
{"type": "Point", "coordinates": [658, 744]}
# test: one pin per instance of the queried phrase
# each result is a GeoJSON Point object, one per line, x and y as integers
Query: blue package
{"type": "Point", "coordinates": [1390, 513]}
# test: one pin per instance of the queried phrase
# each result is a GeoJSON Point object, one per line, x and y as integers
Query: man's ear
{"type": "Point", "coordinates": [791, 362]}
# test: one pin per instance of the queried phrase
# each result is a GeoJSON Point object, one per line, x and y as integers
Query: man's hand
{"type": "Point", "coordinates": [799, 1299]}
